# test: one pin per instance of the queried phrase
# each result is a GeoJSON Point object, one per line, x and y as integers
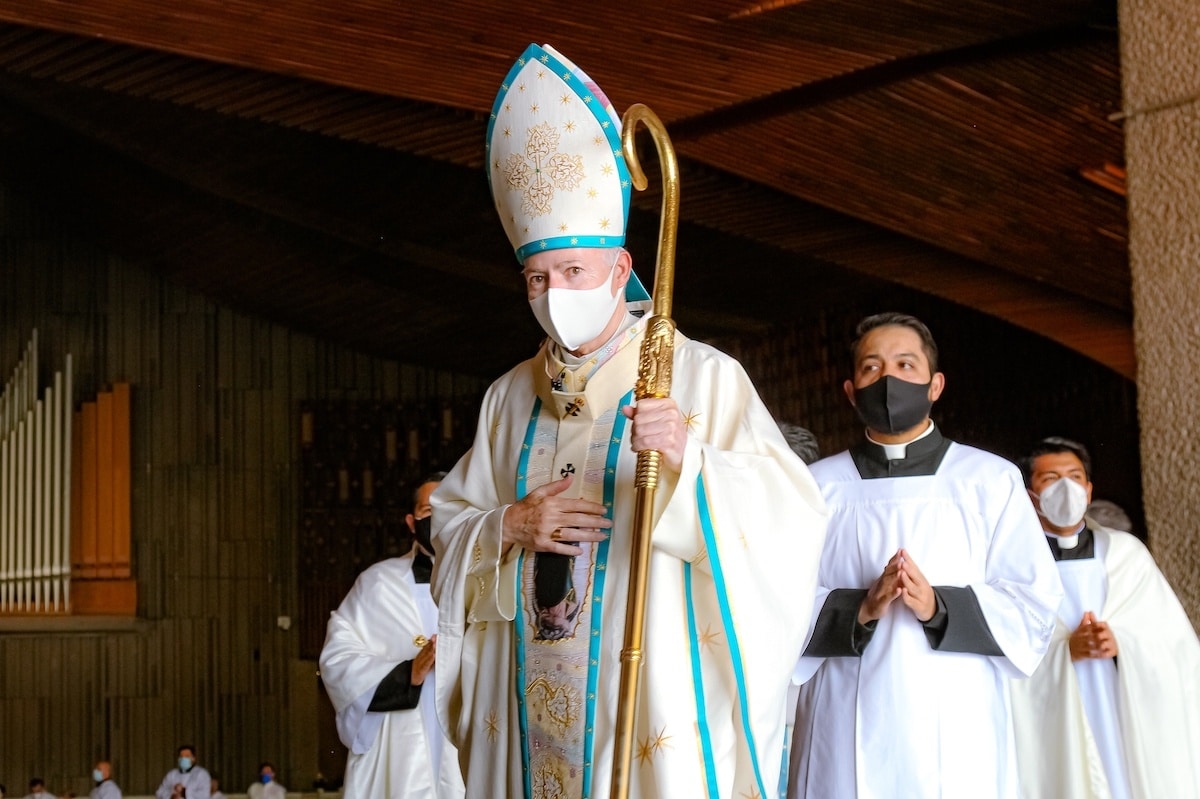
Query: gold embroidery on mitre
{"type": "Point", "coordinates": [542, 170]}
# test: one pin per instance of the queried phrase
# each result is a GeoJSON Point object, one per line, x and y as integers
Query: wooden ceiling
{"type": "Point", "coordinates": [320, 164]}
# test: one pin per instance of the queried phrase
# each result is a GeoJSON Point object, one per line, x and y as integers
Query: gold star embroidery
{"type": "Point", "coordinates": [566, 76]}
{"type": "Point", "coordinates": [598, 140]}
{"type": "Point", "coordinates": [708, 638]}
{"type": "Point", "coordinates": [541, 73]}
{"type": "Point", "coordinates": [690, 419]}
{"type": "Point", "coordinates": [566, 98]}
{"type": "Point", "coordinates": [562, 228]}
{"type": "Point", "coordinates": [754, 794]}
{"type": "Point", "coordinates": [592, 193]}
{"type": "Point", "coordinates": [508, 106]}
{"type": "Point", "coordinates": [645, 751]}
{"type": "Point", "coordinates": [521, 61]}
{"type": "Point", "coordinates": [533, 109]}
{"type": "Point", "coordinates": [493, 726]}
{"type": "Point", "coordinates": [660, 741]}
{"type": "Point", "coordinates": [569, 127]}
{"type": "Point", "coordinates": [607, 169]}
{"type": "Point", "coordinates": [604, 224]}
{"type": "Point", "coordinates": [545, 59]}
{"type": "Point", "coordinates": [507, 134]}
{"type": "Point", "coordinates": [521, 87]}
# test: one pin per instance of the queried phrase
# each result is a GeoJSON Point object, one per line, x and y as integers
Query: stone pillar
{"type": "Point", "coordinates": [1160, 66]}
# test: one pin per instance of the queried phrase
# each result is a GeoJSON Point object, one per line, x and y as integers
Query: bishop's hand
{"type": "Point", "coordinates": [546, 521]}
{"type": "Point", "coordinates": [658, 425]}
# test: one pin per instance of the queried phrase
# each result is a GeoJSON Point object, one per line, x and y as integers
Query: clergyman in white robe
{"type": "Point", "coordinates": [381, 625]}
{"type": "Point", "coordinates": [528, 692]}
{"type": "Point", "coordinates": [913, 709]}
{"type": "Point", "coordinates": [1124, 727]}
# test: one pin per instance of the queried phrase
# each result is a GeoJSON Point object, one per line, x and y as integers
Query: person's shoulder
{"type": "Point", "coordinates": [385, 571]}
{"type": "Point", "coordinates": [972, 461]}
{"type": "Point", "coordinates": [839, 466]}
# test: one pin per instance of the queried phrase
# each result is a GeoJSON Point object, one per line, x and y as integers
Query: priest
{"type": "Point", "coordinates": [934, 590]}
{"type": "Point", "coordinates": [1114, 709]}
{"type": "Point", "coordinates": [378, 668]}
{"type": "Point", "coordinates": [534, 523]}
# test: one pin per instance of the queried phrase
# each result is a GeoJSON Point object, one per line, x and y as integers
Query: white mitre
{"type": "Point", "coordinates": [557, 174]}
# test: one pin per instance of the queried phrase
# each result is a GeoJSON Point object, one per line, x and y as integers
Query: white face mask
{"type": "Point", "coordinates": [573, 317]}
{"type": "Point", "coordinates": [1063, 502]}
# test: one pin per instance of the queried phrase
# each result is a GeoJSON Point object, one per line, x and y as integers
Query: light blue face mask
{"type": "Point", "coordinates": [185, 764]}
{"type": "Point", "coordinates": [98, 775]}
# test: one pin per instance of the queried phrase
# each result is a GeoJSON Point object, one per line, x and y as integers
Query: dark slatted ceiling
{"type": "Point", "coordinates": [930, 143]}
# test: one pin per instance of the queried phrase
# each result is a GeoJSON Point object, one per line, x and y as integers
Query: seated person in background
{"type": "Point", "coordinates": [1114, 709]}
{"type": "Point", "coordinates": [266, 787]}
{"type": "Point", "coordinates": [37, 789]}
{"type": "Point", "coordinates": [186, 779]}
{"type": "Point", "coordinates": [105, 788]}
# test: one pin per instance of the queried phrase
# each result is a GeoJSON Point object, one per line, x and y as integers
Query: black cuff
{"type": "Point", "coordinates": [837, 632]}
{"type": "Point", "coordinates": [961, 626]}
{"type": "Point", "coordinates": [396, 691]}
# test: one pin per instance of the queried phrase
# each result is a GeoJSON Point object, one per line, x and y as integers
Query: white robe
{"type": "Point", "coordinates": [378, 626]}
{"type": "Point", "coordinates": [905, 719]}
{"type": "Point", "coordinates": [736, 542]}
{"type": "Point", "coordinates": [1157, 691]}
{"type": "Point", "coordinates": [196, 782]}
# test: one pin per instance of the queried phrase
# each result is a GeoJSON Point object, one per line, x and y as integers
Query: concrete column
{"type": "Point", "coordinates": [1160, 66]}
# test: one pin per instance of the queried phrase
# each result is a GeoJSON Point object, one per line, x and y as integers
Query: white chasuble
{"type": "Point", "coordinates": [905, 719]}
{"type": "Point", "coordinates": [529, 693]}
{"type": "Point", "coordinates": [1154, 695]}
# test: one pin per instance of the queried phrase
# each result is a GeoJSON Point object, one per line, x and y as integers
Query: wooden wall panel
{"type": "Point", "coordinates": [213, 475]}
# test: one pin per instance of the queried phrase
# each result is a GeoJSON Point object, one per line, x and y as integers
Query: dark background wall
{"type": "Point", "coordinates": [216, 503]}
{"type": "Point", "coordinates": [221, 551]}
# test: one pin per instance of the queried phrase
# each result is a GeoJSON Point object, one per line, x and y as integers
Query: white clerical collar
{"type": "Point", "coordinates": [1066, 541]}
{"type": "Point", "coordinates": [898, 452]}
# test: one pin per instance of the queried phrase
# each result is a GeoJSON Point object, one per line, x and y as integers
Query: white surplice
{"type": "Point", "coordinates": [736, 543]}
{"type": "Point", "coordinates": [905, 719]}
{"type": "Point", "coordinates": [1152, 691]}
{"type": "Point", "coordinates": [400, 754]}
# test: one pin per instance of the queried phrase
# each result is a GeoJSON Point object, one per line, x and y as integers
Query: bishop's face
{"type": "Point", "coordinates": [576, 294]}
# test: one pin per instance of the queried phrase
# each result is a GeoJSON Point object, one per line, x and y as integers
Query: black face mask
{"type": "Point", "coordinates": [892, 405]}
{"type": "Point", "coordinates": [423, 533]}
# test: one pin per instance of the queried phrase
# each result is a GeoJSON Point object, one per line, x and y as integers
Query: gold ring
{"type": "Point", "coordinates": [556, 535]}
{"type": "Point", "coordinates": [420, 641]}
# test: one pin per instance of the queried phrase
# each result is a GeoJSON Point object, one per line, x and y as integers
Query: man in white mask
{"type": "Point", "coordinates": [1114, 709]}
{"type": "Point", "coordinates": [533, 525]}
